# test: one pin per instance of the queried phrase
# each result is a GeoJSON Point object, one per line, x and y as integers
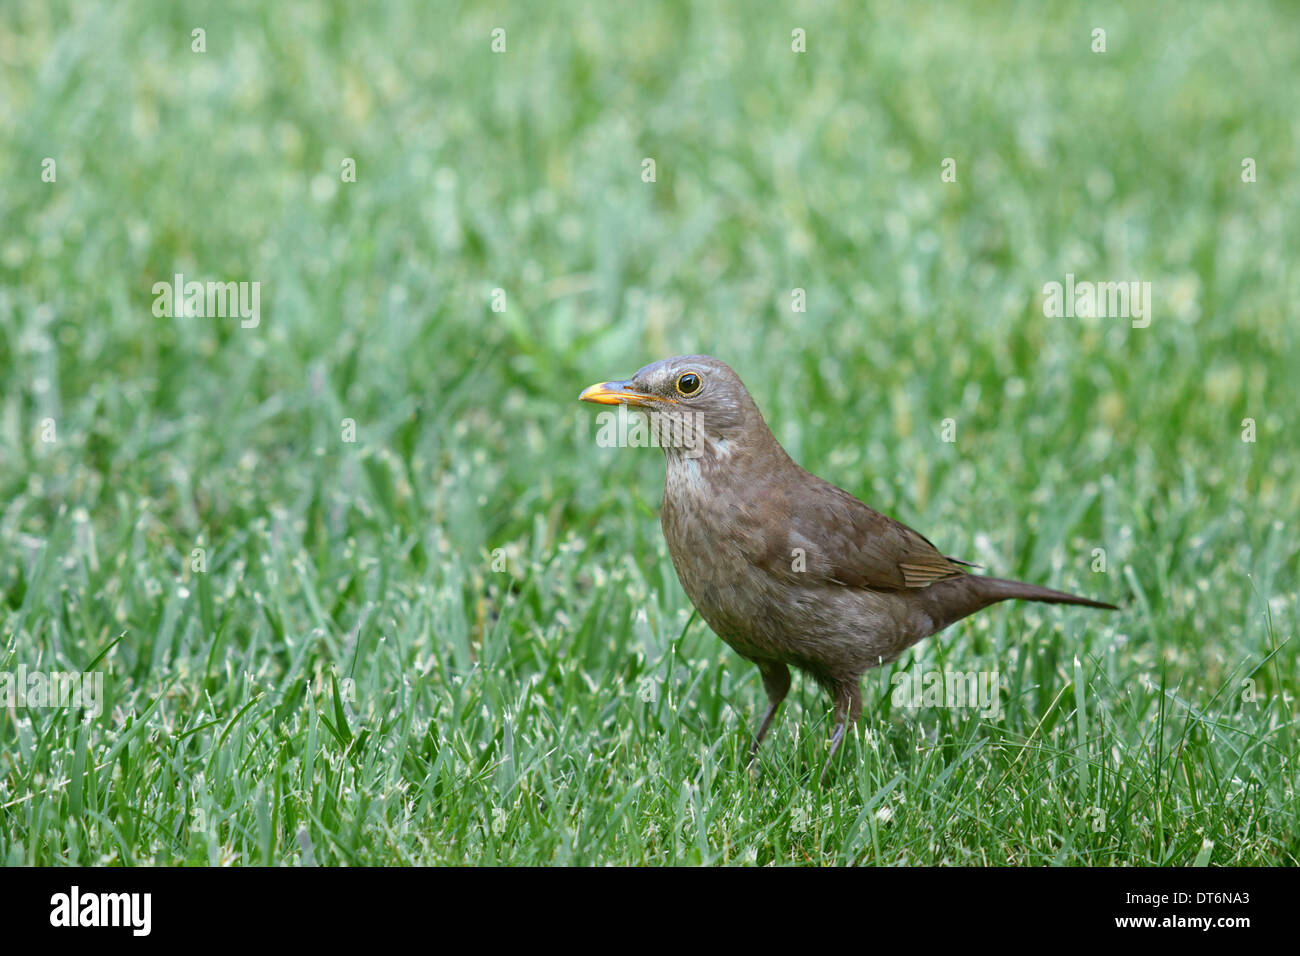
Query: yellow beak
{"type": "Point", "coordinates": [619, 393]}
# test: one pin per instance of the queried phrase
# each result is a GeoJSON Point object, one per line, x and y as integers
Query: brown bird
{"type": "Point", "coordinates": [785, 567]}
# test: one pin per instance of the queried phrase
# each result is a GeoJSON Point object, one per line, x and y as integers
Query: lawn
{"type": "Point", "coordinates": [361, 586]}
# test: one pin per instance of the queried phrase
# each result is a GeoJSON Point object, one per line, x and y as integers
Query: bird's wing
{"type": "Point", "coordinates": [832, 536]}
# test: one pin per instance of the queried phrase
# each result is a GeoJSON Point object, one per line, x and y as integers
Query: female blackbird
{"type": "Point", "coordinates": [785, 567]}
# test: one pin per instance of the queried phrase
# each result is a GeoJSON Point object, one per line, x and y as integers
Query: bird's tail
{"type": "Point", "coordinates": [999, 589]}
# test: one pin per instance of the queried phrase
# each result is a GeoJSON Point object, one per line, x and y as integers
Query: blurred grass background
{"type": "Point", "coordinates": [351, 681]}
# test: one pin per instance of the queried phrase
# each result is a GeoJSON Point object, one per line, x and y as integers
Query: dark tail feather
{"type": "Point", "coordinates": [999, 589]}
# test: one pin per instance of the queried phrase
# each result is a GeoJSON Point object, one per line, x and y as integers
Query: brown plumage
{"type": "Point", "coordinates": [785, 567]}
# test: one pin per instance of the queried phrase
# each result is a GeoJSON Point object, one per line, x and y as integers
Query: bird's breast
{"type": "Point", "coordinates": [714, 538]}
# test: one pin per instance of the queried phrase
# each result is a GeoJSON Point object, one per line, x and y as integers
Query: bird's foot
{"type": "Point", "coordinates": [837, 738]}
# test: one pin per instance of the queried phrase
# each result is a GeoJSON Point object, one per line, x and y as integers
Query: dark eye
{"type": "Point", "coordinates": [688, 383]}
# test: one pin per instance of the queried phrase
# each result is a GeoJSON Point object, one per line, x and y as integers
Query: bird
{"type": "Point", "coordinates": [786, 568]}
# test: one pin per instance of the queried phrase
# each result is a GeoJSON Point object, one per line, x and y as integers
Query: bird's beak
{"type": "Point", "coordinates": [619, 393]}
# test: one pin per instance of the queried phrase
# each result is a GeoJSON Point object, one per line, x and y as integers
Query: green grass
{"type": "Point", "coordinates": [350, 681]}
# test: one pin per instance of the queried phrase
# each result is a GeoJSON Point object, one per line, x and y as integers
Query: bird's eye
{"type": "Point", "coordinates": [688, 383]}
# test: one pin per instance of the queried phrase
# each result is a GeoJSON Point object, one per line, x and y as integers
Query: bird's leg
{"type": "Point", "coordinates": [776, 681]}
{"type": "Point", "coordinates": [848, 708]}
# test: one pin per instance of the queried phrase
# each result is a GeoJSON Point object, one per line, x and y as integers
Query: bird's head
{"type": "Point", "coordinates": [697, 399]}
